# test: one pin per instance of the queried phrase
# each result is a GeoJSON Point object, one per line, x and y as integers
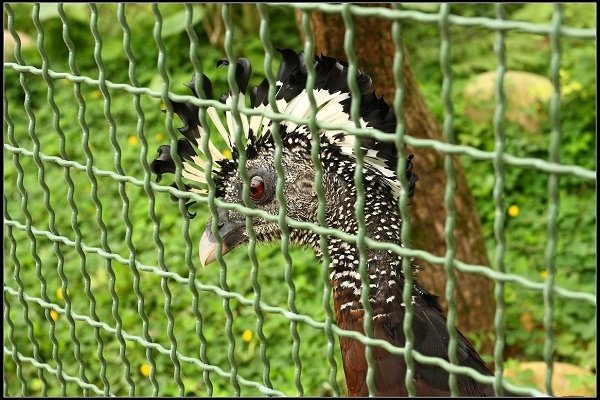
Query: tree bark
{"type": "Point", "coordinates": [375, 49]}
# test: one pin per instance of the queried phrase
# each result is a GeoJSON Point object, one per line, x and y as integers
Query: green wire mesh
{"type": "Point", "coordinates": [499, 201]}
{"type": "Point", "coordinates": [310, 82]}
{"type": "Point", "coordinates": [109, 320]}
{"type": "Point", "coordinates": [449, 192]}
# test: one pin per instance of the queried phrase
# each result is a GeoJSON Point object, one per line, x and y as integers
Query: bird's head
{"type": "Point", "coordinates": [298, 192]}
{"type": "Point", "coordinates": [258, 149]}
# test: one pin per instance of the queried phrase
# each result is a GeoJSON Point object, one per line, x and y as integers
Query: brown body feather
{"type": "Point", "coordinates": [390, 369]}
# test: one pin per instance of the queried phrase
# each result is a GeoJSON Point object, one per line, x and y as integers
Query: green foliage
{"type": "Point", "coordinates": [526, 233]}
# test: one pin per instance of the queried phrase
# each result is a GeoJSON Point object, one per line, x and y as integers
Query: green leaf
{"type": "Point", "coordinates": [535, 13]}
{"type": "Point", "coordinates": [78, 12]}
{"type": "Point", "coordinates": [48, 11]}
{"type": "Point", "coordinates": [175, 24]}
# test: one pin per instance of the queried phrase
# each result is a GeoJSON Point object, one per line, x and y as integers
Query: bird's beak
{"type": "Point", "coordinates": [232, 233]}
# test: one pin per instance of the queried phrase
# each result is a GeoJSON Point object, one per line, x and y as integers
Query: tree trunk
{"type": "Point", "coordinates": [375, 49]}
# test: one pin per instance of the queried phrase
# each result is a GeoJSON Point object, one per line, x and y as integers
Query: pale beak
{"type": "Point", "coordinates": [208, 248]}
{"type": "Point", "coordinates": [232, 233]}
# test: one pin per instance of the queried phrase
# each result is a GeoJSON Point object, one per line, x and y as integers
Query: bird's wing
{"type": "Point", "coordinates": [431, 339]}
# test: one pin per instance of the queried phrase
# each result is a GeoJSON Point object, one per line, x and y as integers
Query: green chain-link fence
{"type": "Point", "coordinates": [72, 323]}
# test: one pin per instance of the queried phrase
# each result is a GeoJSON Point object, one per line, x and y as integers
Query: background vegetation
{"type": "Point", "coordinates": [472, 53]}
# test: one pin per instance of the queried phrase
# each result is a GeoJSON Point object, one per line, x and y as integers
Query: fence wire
{"type": "Point", "coordinates": [62, 379]}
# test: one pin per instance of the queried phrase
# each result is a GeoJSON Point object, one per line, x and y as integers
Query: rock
{"type": "Point", "coordinates": [567, 379]}
{"type": "Point", "coordinates": [527, 98]}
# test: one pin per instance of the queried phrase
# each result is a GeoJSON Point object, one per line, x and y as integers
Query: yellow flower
{"type": "Point", "coordinates": [133, 140]}
{"type": "Point", "coordinates": [145, 370]}
{"type": "Point", "coordinates": [227, 154]}
{"type": "Point", "coordinates": [35, 384]}
{"type": "Point", "coordinates": [54, 315]}
{"type": "Point", "coordinates": [159, 136]}
{"type": "Point", "coordinates": [544, 274]}
{"type": "Point", "coordinates": [247, 335]}
{"type": "Point", "coordinates": [96, 94]}
{"type": "Point", "coordinates": [513, 210]}
{"type": "Point", "coordinates": [60, 295]}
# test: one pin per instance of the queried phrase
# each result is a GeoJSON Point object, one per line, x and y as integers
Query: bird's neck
{"type": "Point", "coordinates": [382, 223]}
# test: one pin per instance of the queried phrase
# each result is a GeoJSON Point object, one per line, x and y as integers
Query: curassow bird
{"type": "Point", "coordinates": [337, 156]}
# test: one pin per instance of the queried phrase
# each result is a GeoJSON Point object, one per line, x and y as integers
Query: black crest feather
{"type": "Point", "coordinates": [333, 98]}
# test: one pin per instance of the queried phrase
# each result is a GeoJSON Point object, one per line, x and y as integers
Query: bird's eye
{"type": "Point", "coordinates": [257, 188]}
